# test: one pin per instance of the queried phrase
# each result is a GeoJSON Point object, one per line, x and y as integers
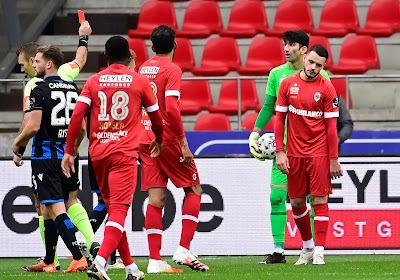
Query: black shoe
{"type": "Point", "coordinates": [94, 249]}
{"type": "Point", "coordinates": [274, 258]}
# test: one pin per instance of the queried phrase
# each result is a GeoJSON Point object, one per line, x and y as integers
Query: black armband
{"type": "Point", "coordinates": [83, 41]}
{"type": "Point", "coordinates": [21, 150]}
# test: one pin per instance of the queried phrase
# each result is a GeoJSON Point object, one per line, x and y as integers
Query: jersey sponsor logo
{"type": "Point", "coordinates": [294, 90]}
{"type": "Point", "coordinates": [149, 70]}
{"type": "Point", "coordinates": [107, 136]}
{"type": "Point", "coordinates": [317, 96]}
{"type": "Point", "coordinates": [305, 113]}
{"type": "Point", "coordinates": [335, 102]}
{"type": "Point", "coordinates": [61, 85]}
{"type": "Point", "coordinates": [31, 101]}
{"type": "Point", "coordinates": [115, 78]}
{"type": "Point", "coordinates": [146, 124]}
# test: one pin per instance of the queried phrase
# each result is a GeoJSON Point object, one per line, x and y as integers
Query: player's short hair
{"type": "Point", "coordinates": [29, 49]}
{"type": "Point", "coordinates": [53, 53]}
{"type": "Point", "coordinates": [296, 36]}
{"type": "Point", "coordinates": [320, 50]}
{"type": "Point", "coordinates": [163, 39]}
{"type": "Point", "coordinates": [117, 48]}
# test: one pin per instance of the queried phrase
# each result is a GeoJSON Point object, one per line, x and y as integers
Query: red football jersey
{"type": "Point", "coordinates": [308, 103]}
{"type": "Point", "coordinates": [116, 96]}
{"type": "Point", "coordinates": [165, 79]}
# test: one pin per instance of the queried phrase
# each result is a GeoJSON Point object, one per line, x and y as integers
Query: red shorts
{"type": "Point", "coordinates": [116, 175]}
{"type": "Point", "coordinates": [156, 171]}
{"type": "Point", "coordinates": [309, 175]}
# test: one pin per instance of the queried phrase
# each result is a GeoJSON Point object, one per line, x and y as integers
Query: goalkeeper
{"type": "Point", "coordinates": [295, 47]}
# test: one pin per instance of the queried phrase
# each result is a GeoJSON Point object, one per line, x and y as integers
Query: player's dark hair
{"type": "Point", "coordinates": [296, 36]}
{"type": "Point", "coordinates": [163, 39]}
{"type": "Point", "coordinates": [53, 53]}
{"type": "Point", "coordinates": [117, 48]}
{"type": "Point", "coordinates": [29, 49]}
{"type": "Point", "coordinates": [320, 50]}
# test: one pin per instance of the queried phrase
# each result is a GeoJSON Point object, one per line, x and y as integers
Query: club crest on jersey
{"type": "Point", "coordinates": [294, 90]}
{"type": "Point", "coordinates": [335, 102]}
{"type": "Point", "coordinates": [317, 96]}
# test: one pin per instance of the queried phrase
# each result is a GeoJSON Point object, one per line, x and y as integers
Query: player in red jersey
{"type": "Point", "coordinates": [175, 163]}
{"type": "Point", "coordinates": [311, 158]}
{"type": "Point", "coordinates": [116, 96]}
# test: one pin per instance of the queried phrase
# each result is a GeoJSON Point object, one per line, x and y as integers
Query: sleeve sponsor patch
{"type": "Point", "coordinates": [27, 103]}
{"type": "Point", "coordinates": [335, 103]}
{"type": "Point", "coordinates": [73, 65]}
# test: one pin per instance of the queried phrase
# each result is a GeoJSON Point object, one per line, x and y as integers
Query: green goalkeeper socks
{"type": "Point", "coordinates": [80, 219]}
{"type": "Point", "coordinates": [278, 216]}
{"type": "Point", "coordinates": [312, 215]}
{"type": "Point", "coordinates": [41, 226]}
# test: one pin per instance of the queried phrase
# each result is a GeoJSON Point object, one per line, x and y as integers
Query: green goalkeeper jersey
{"type": "Point", "coordinates": [275, 78]}
{"type": "Point", "coordinates": [67, 72]}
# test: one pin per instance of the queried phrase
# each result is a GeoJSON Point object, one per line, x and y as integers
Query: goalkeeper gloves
{"type": "Point", "coordinates": [253, 144]}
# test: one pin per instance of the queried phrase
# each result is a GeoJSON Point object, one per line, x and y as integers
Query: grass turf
{"type": "Point", "coordinates": [244, 267]}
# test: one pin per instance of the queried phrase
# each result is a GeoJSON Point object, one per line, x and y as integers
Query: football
{"type": "Point", "coordinates": [266, 143]}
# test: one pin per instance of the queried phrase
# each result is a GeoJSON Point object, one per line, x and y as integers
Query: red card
{"type": "Point", "coordinates": [81, 16]}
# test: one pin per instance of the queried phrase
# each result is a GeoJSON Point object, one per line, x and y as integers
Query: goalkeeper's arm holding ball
{"type": "Point", "coordinates": [263, 118]}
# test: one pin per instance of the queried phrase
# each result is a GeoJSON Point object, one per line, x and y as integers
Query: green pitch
{"type": "Point", "coordinates": [225, 268]}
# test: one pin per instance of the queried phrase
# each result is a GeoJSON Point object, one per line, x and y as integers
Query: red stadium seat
{"type": "Point", "coordinates": [292, 15]}
{"type": "Point", "coordinates": [183, 56]}
{"type": "Point", "coordinates": [247, 19]}
{"type": "Point", "coordinates": [212, 122]}
{"type": "Point", "coordinates": [321, 40]}
{"type": "Point", "coordinates": [140, 48]}
{"type": "Point", "coordinates": [220, 56]}
{"type": "Point", "coordinates": [340, 86]}
{"type": "Point", "coordinates": [153, 14]}
{"type": "Point", "coordinates": [195, 97]}
{"type": "Point", "coordinates": [383, 19]}
{"type": "Point", "coordinates": [202, 18]}
{"type": "Point", "coordinates": [357, 56]}
{"type": "Point", "coordinates": [264, 54]}
{"type": "Point", "coordinates": [338, 18]}
{"type": "Point", "coordinates": [249, 121]}
{"type": "Point", "coordinates": [228, 97]}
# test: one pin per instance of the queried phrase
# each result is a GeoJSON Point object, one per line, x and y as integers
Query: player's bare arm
{"type": "Point", "coordinates": [81, 53]}
{"type": "Point", "coordinates": [282, 162]}
{"type": "Point", "coordinates": [74, 130]}
{"type": "Point", "coordinates": [187, 154]}
{"type": "Point", "coordinates": [31, 128]}
{"type": "Point", "coordinates": [81, 136]}
{"type": "Point", "coordinates": [335, 169]}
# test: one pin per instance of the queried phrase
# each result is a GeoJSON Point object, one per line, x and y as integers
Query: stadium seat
{"type": "Point", "coordinates": [195, 97]}
{"type": "Point", "coordinates": [153, 14]}
{"type": "Point", "coordinates": [212, 122]}
{"type": "Point", "coordinates": [202, 18]}
{"type": "Point", "coordinates": [321, 40]}
{"type": "Point", "coordinates": [383, 19]}
{"type": "Point", "coordinates": [220, 56]}
{"type": "Point", "coordinates": [247, 19]}
{"type": "Point", "coordinates": [291, 15]}
{"type": "Point", "coordinates": [228, 97]}
{"type": "Point", "coordinates": [340, 86]}
{"type": "Point", "coordinates": [264, 54]}
{"type": "Point", "coordinates": [183, 56]}
{"type": "Point", "coordinates": [357, 56]}
{"type": "Point", "coordinates": [140, 48]}
{"type": "Point", "coordinates": [249, 121]}
{"type": "Point", "coordinates": [338, 18]}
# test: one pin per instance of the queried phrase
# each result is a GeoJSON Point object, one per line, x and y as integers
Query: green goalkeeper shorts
{"type": "Point", "coordinates": [277, 177]}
